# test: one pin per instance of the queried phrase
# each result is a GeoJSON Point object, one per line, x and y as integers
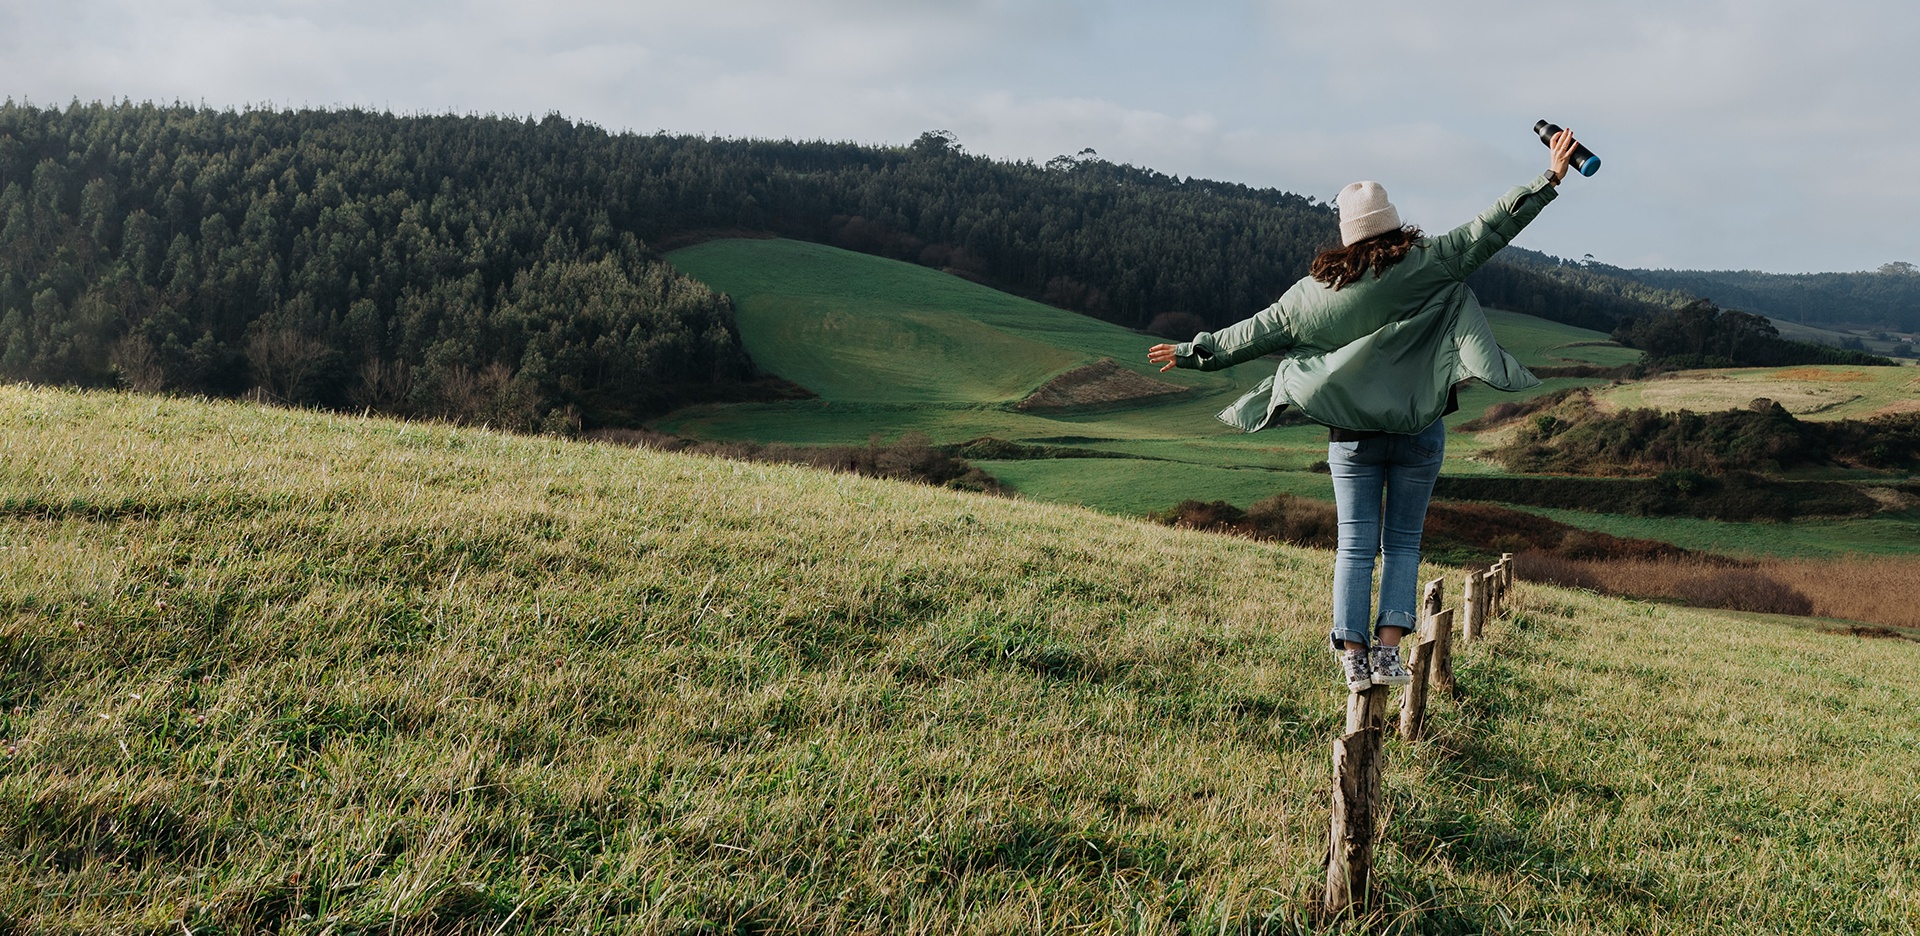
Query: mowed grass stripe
{"type": "Point", "coordinates": [317, 673]}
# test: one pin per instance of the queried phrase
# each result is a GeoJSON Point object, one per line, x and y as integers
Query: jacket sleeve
{"type": "Point", "coordinates": [1269, 330]}
{"type": "Point", "coordinates": [1463, 249]}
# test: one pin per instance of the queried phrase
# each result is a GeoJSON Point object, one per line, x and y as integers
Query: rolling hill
{"type": "Point", "coordinates": [277, 671]}
{"type": "Point", "coordinates": [822, 316]}
{"type": "Point", "coordinates": [892, 347]}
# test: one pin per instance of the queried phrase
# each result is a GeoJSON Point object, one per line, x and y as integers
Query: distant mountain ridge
{"type": "Point", "coordinates": [1887, 298]}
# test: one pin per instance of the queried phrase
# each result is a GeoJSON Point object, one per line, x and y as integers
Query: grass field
{"type": "Point", "coordinates": [876, 339]}
{"type": "Point", "coordinates": [278, 672]}
{"type": "Point", "coordinates": [1810, 392]}
{"type": "Point", "coordinates": [1539, 342]}
{"type": "Point", "coordinates": [1814, 333]}
{"type": "Point", "coordinates": [894, 348]}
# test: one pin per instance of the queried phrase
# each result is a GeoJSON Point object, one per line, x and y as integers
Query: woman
{"type": "Point", "coordinates": [1374, 339]}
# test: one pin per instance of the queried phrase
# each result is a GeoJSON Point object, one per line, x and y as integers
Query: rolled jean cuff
{"type": "Point", "coordinates": [1401, 619]}
{"type": "Point", "coordinates": [1359, 637]}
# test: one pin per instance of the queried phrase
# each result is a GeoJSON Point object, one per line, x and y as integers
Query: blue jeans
{"type": "Point", "coordinates": [1381, 487]}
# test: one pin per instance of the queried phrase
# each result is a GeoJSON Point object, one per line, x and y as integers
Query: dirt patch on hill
{"type": "Point", "coordinates": [1817, 374]}
{"type": "Point", "coordinates": [1902, 406]}
{"type": "Point", "coordinates": [1098, 384]}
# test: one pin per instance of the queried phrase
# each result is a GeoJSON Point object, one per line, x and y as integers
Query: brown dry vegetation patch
{"type": "Point", "coordinates": [1491, 528]}
{"type": "Point", "coordinates": [1100, 383]}
{"type": "Point", "coordinates": [1900, 406]}
{"type": "Point", "coordinates": [1881, 591]}
{"type": "Point", "coordinates": [1821, 374]}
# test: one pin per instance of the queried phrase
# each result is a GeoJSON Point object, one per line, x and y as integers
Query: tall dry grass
{"type": "Point", "coordinates": [1875, 589]}
{"type": "Point", "coordinates": [1883, 590]}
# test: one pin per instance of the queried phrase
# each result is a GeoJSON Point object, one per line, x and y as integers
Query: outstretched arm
{"type": "Point", "coordinates": [1267, 331]}
{"type": "Point", "coordinates": [1466, 247]}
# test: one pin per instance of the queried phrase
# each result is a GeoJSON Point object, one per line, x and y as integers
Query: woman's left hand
{"type": "Point", "coordinates": [1163, 354]}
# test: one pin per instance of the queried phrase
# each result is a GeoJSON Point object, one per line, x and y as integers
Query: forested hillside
{"type": "Point", "coordinates": [503, 270]}
{"type": "Point", "coordinates": [1887, 298]}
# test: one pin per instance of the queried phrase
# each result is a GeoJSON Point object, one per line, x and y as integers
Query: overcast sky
{"type": "Point", "coordinates": [1757, 134]}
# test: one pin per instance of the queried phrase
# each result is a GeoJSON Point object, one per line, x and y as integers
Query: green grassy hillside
{"type": "Point", "coordinates": [892, 348]}
{"type": "Point", "coordinates": [270, 671]}
{"type": "Point", "coordinates": [1810, 392]}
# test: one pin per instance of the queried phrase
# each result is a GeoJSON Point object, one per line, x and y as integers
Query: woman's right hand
{"type": "Point", "coordinates": [1163, 354]}
{"type": "Point", "coordinates": [1561, 155]}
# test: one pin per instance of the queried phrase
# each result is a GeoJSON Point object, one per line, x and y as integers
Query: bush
{"type": "Point", "coordinates": [1282, 517]}
{"type": "Point", "coordinates": [1537, 566]}
{"type": "Point", "coordinates": [1295, 520]}
{"type": "Point", "coordinates": [1742, 590]}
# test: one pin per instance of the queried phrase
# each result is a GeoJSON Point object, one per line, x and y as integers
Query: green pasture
{"type": "Point", "coordinates": [269, 671]}
{"type": "Point", "coordinates": [1895, 533]}
{"type": "Point", "coordinates": [851, 327]}
{"type": "Point", "coordinates": [1831, 336]}
{"type": "Point", "coordinates": [1537, 342]}
{"type": "Point", "coordinates": [893, 348]}
{"type": "Point", "coordinates": [1808, 391]}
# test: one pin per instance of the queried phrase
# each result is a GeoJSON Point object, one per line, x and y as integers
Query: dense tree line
{"type": "Point", "coordinates": [1567, 291]}
{"type": "Point", "coordinates": [443, 266]}
{"type": "Point", "coordinates": [500, 269]}
{"type": "Point", "coordinates": [1701, 334]}
{"type": "Point", "coordinates": [1886, 298]}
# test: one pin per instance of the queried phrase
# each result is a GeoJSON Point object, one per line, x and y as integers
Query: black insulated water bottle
{"type": "Point", "coordinates": [1584, 162]}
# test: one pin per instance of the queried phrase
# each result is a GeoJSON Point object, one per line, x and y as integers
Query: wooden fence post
{"type": "Point", "coordinates": [1506, 569]}
{"type": "Point", "coordinates": [1472, 612]}
{"type": "Point", "coordinates": [1493, 590]}
{"type": "Point", "coordinates": [1413, 705]}
{"type": "Point", "coordinates": [1357, 761]}
{"type": "Point", "coordinates": [1440, 671]}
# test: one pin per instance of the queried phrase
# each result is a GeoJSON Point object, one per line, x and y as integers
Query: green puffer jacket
{"type": "Point", "coordinates": [1380, 354]}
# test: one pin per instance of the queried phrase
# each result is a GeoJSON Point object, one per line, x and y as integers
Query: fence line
{"type": "Point", "coordinates": [1359, 757]}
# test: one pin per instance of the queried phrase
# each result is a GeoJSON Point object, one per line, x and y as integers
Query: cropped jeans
{"type": "Point", "coordinates": [1381, 487]}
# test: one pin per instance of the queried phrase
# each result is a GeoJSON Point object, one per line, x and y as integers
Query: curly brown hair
{"type": "Point", "coordinates": [1338, 266]}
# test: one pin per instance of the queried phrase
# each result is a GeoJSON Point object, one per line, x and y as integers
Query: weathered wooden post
{"type": "Point", "coordinates": [1506, 570]}
{"type": "Point", "coordinates": [1473, 612]}
{"type": "Point", "coordinates": [1413, 705]}
{"type": "Point", "coordinates": [1440, 671]}
{"type": "Point", "coordinates": [1493, 589]}
{"type": "Point", "coordinates": [1357, 762]}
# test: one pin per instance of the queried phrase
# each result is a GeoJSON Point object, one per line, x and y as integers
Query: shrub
{"type": "Point", "coordinates": [1537, 566]}
{"type": "Point", "coordinates": [1282, 517]}
{"type": "Point", "coordinates": [1295, 520]}
{"type": "Point", "coordinates": [1742, 590]}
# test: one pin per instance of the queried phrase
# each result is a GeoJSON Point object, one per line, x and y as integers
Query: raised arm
{"type": "Point", "coordinates": [1463, 249]}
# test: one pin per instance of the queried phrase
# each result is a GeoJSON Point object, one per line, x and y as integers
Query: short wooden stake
{"type": "Point", "coordinates": [1357, 761]}
{"type": "Point", "coordinates": [1440, 671]}
{"type": "Point", "coordinates": [1473, 613]}
{"type": "Point", "coordinates": [1506, 570]}
{"type": "Point", "coordinates": [1413, 704]}
{"type": "Point", "coordinates": [1366, 709]}
{"type": "Point", "coordinates": [1493, 589]}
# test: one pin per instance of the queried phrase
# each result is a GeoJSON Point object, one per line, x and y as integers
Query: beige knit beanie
{"type": "Point", "coordinates": [1364, 212]}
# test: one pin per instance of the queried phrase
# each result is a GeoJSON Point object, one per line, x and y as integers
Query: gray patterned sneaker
{"type": "Point", "coordinates": [1359, 671]}
{"type": "Point", "coordinates": [1387, 668]}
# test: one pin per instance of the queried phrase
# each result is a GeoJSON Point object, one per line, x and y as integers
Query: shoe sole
{"type": "Point", "coordinates": [1393, 680]}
